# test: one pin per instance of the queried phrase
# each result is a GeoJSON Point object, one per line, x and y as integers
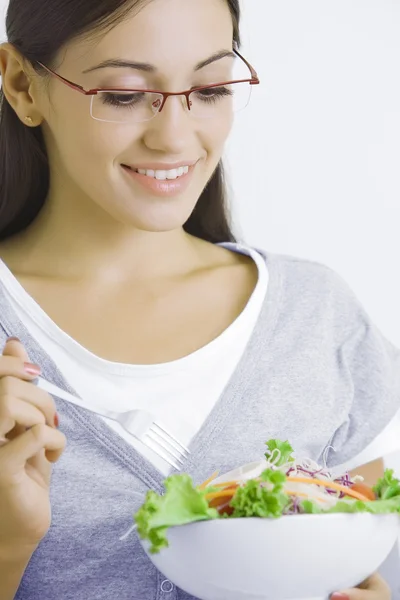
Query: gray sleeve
{"type": "Point", "coordinates": [372, 366]}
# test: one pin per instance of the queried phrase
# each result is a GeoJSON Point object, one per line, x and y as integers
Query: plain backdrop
{"type": "Point", "coordinates": [314, 160]}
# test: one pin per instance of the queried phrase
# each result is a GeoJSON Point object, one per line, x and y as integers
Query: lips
{"type": "Point", "coordinates": [162, 174]}
{"type": "Point", "coordinates": [160, 166]}
{"type": "Point", "coordinates": [163, 183]}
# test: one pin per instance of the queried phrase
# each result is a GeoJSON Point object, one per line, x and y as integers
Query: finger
{"type": "Point", "coordinates": [17, 412]}
{"type": "Point", "coordinates": [15, 348]}
{"type": "Point", "coordinates": [43, 458]}
{"type": "Point", "coordinates": [16, 367]}
{"type": "Point", "coordinates": [375, 583]}
{"type": "Point", "coordinates": [14, 455]}
{"type": "Point", "coordinates": [373, 588]}
{"type": "Point", "coordinates": [13, 388]}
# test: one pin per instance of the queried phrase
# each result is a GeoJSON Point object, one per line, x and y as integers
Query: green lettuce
{"type": "Point", "coordinates": [267, 500]}
{"type": "Point", "coordinates": [388, 486]}
{"type": "Point", "coordinates": [387, 490]}
{"type": "Point", "coordinates": [284, 448]}
{"type": "Point", "coordinates": [376, 507]}
{"type": "Point", "coordinates": [182, 503]}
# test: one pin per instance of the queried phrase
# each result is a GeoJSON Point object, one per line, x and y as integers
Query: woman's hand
{"type": "Point", "coordinates": [29, 444]}
{"type": "Point", "coordinates": [373, 588]}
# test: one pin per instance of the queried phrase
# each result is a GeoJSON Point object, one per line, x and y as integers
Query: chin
{"type": "Point", "coordinates": [157, 220]}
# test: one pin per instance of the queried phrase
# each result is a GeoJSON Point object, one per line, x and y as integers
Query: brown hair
{"type": "Point", "coordinates": [38, 29]}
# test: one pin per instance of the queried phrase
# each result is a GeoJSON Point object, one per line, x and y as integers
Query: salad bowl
{"type": "Point", "coordinates": [283, 528]}
{"type": "Point", "coordinates": [306, 557]}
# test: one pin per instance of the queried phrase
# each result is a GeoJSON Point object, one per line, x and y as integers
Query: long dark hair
{"type": "Point", "coordinates": [39, 29]}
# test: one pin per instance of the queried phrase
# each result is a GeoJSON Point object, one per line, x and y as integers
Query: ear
{"type": "Point", "coordinates": [18, 82]}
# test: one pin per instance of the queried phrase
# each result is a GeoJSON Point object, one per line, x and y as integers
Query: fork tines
{"type": "Point", "coordinates": [170, 445]}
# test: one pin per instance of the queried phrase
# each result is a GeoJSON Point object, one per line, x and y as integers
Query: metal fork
{"type": "Point", "coordinates": [139, 423]}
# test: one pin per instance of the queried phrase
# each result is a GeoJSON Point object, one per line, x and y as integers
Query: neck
{"type": "Point", "coordinates": [83, 242]}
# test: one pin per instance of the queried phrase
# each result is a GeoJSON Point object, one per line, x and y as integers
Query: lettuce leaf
{"type": "Point", "coordinates": [310, 508]}
{"type": "Point", "coordinates": [265, 500]}
{"type": "Point", "coordinates": [182, 503]}
{"type": "Point", "coordinates": [376, 507]}
{"type": "Point", "coordinates": [284, 448]}
{"type": "Point", "coordinates": [388, 486]}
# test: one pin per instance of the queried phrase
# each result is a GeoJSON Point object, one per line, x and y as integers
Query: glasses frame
{"type": "Point", "coordinates": [253, 80]}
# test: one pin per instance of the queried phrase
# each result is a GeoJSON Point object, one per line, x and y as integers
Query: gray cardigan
{"type": "Point", "coordinates": [316, 371]}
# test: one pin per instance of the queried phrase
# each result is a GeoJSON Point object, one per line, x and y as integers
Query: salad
{"type": "Point", "coordinates": [287, 486]}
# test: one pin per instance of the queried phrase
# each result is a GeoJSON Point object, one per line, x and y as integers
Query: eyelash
{"type": "Point", "coordinates": [216, 93]}
{"type": "Point", "coordinates": [208, 95]}
{"type": "Point", "coordinates": [115, 99]}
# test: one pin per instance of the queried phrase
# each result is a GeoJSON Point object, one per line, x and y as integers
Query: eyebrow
{"type": "Point", "coordinates": [118, 63]}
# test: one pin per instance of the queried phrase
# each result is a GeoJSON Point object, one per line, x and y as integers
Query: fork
{"type": "Point", "coordinates": [138, 423]}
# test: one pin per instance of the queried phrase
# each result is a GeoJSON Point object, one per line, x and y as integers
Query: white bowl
{"type": "Point", "coordinates": [289, 558]}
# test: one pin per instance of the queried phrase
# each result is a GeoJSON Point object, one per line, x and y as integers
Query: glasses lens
{"type": "Point", "coordinates": [222, 99]}
{"type": "Point", "coordinates": [123, 107]}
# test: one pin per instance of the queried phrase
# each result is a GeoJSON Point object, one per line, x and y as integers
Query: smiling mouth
{"type": "Point", "coordinates": [161, 175]}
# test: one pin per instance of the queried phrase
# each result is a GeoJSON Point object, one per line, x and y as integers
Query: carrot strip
{"type": "Point", "coordinates": [230, 493]}
{"type": "Point", "coordinates": [330, 484]}
{"type": "Point", "coordinates": [224, 494]}
{"type": "Point", "coordinates": [227, 484]}
{"type": "Point", "coordinates": [205, 483]}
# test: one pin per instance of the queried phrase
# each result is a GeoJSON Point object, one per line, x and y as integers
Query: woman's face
{"type": "Point", "coordinates": [89, 158]}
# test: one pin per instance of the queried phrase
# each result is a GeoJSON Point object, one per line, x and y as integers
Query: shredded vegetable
{"type": "Point", "coordinates": [205, 483]}
{"type": "Point", "coordinates": [288, 485]}
{"type": "Point", "coordinates": [331, 485]}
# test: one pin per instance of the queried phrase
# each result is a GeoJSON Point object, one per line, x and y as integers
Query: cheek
{"type": "Point", "coordinates": [220, 129]}
{"type": "Point", "coordinates": [78, 137]}
{"type": "Point", "coordinates": [92, 146]}
{"type": "Point", "coordinates": [215, 135]}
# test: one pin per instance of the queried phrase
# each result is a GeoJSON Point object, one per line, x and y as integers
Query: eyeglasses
{"type": "Point", "coordinates": [115, 105]}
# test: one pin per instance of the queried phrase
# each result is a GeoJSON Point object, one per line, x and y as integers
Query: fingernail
{"type": "Point", "coordinates": [32, 369]}
{"type": "Point", "coordinates": [339, 596]}
{"type": "Point", "coordinates": [13, 339]}
{"type": "Point", "coordinates": [56, 420]}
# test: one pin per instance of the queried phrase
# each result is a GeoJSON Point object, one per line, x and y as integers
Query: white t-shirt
{"type": "Point", "coordinates": [179, 394]}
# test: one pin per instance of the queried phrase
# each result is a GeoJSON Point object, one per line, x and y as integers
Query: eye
{"type": "Point", "coordinates": [214, 94]}
{"type": "Point", "coordinates": [122, 99]}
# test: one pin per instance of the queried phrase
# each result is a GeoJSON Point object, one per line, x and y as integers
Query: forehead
{"type": "Point", "coordinates": [165, 33]}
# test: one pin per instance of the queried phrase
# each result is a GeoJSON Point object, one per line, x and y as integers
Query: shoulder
{"type": "Point", "coordinates": [308, 276]}
{"type": "Point", "coordinates": [312, 291]}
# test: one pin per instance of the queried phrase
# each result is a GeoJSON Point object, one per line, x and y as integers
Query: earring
{"type": "Point", "coordinates": [29, 120]}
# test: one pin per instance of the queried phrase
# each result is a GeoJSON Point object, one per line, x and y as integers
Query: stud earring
{"type": "Point", "coordinates": [29, 120]}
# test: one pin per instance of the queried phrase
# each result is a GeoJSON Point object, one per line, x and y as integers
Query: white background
{"type": "Point", "coordinates": [314, 160]}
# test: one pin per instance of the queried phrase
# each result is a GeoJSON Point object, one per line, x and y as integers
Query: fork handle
{"type": "Point", "coordinates": [54, 390]}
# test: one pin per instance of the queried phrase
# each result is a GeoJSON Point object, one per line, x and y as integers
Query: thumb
{"type": "Point", "coordinates": [14, 348]}
{"type": "Point", "coordinates": [354, 594]}
{"type": "Point", "coordinates": [373, 588]}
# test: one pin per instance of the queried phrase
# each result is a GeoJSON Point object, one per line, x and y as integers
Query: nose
{"type": "Point", "coordinates": [172, 130]}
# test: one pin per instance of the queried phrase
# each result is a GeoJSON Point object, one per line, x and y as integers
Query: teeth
{"type": "Point", "coordinates": [163, 175]}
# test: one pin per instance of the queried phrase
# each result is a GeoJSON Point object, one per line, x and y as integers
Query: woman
{"type": "Point", "coordinates": [122, 280]}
